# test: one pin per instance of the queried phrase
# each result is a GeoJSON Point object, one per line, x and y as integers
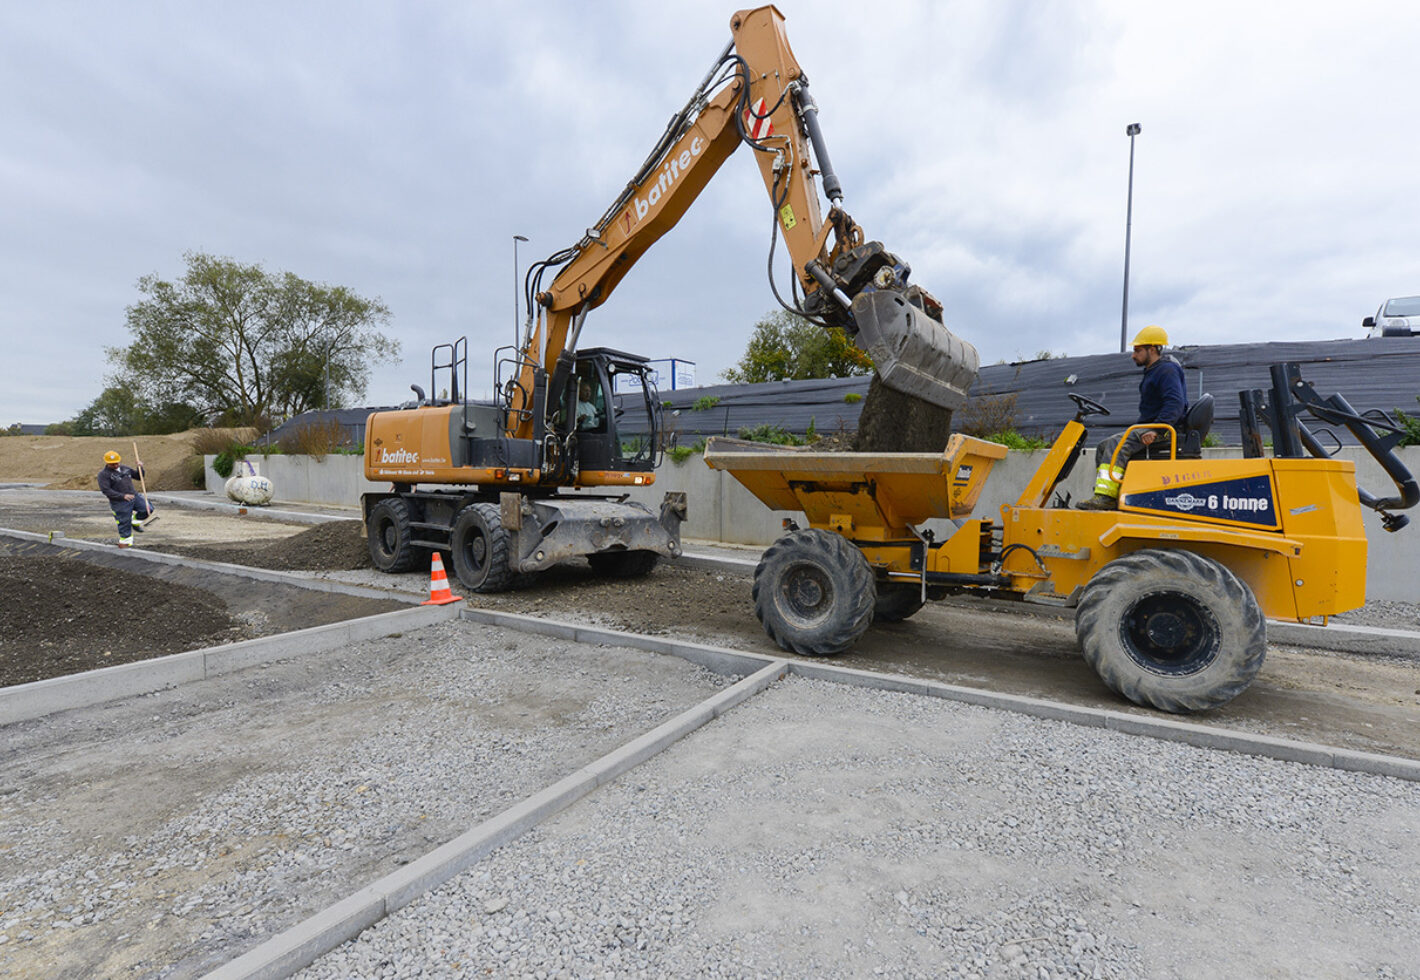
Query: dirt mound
{"type": "Point", "coordinates": [73, 462]}
{"type": "Point", "coordinates": [336, 546]}
{"type": "Point", "coordinates": [62, 616]}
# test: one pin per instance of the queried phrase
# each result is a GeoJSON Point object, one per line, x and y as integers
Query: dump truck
{"type": "Point", "coordinates": [1170, 593]}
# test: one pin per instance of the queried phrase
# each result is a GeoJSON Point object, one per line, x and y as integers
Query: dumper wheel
{"type": "Point", "coordinates": [623, 564]}
{"type": "Point", "coordinates": [480, 549]}
{"type": "Point", "coordinates": [1171, 630]}
{"type": "Point", "coordinates": [387, 533]}
{"type": "Point", "coordinates": [814, 592]}
{"type": "Point", "coordinates": [897, 601]}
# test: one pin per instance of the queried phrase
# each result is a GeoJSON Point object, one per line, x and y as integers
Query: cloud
{"type": "Point", "coordinates": [397, 149]}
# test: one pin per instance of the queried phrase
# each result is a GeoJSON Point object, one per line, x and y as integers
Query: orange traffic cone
{"type": "Point", "coordinates": [439, 592]}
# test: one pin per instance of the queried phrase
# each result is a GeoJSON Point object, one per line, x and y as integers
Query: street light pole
{"type": "Point", "coordinates": [1132, 130]}
{"type": "Point", "coordinates": [516, 239]}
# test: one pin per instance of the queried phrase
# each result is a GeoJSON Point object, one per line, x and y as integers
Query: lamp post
{"type": "Point", "coordinates": [516, 239]}
{"type": "Point", "coordinates": [1132, 130]}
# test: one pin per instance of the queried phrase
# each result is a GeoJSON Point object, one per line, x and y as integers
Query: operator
{"type": "Point", "coordinates": [586, 410]}
{"type": "Point", "coordinates": [1162, 398]}
{"type": "Point", "coordinates": [116, 482]}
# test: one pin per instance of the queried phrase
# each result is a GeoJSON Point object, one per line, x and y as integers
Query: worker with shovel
{"type": "Point", "coordinates": [116, 482]}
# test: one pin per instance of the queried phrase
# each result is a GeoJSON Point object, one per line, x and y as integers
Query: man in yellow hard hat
{"type": "Point", "coordinates": [1162, 398]}
{"type": "Point", "coordinates": [116, 482]}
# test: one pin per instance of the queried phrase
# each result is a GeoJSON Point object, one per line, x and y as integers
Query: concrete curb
{"type": "Point", "coordinates": [241, 510]}
{"type": "Point", "coordinates": [300, 945]}
{"type": "Point", "coordinates": [300, 579]}
{"type": "Point", "coordinates": [1164, 728]}
{"type": "Point", "coordinates": [1339, 637]}
{"type": "Point", "coordinates": [25, 702]}
{"type": "Point", "coordinates": [720, 660]}
{"type": "Point", "coordinates": [184, 501]}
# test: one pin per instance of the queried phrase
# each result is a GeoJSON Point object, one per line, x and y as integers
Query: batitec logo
{"type": "Point", "coordinates": [398, 456]}
{"type": "Point", "coordinates": [670, 173]}
{"type": "Point", "coordinates": [1248, 501]}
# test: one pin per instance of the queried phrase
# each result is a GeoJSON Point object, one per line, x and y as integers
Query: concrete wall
{"type": "Point", "coordinates": [722, 510]}
{"type": "Point", "coordinates": [337, 480]}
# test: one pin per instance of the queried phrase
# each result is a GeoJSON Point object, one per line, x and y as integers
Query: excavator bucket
{"type": "Point", "coordinates": [913, 353]}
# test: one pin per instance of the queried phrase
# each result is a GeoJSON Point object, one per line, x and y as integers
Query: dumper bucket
{"type": "Point", "coordinates": [912, 352]}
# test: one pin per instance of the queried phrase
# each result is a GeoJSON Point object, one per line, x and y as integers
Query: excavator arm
{"type": "Point", "coordinates": [754, 94]}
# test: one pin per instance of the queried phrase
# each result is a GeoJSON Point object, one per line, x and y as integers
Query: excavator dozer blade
{"type": "Point", "coordinates": [912, 352]}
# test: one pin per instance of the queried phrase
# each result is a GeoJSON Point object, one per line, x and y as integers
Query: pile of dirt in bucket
{"type": "Point", "coordinates": [334, 546]}
{"type": "Point", "coordinates": [62, 616]}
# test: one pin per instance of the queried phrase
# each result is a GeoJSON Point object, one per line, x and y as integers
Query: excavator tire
{"type": "Point", "coordinates": [1171, 630]}
{"type": "Point", "coordinates": [623, 564]}
{"type": "Point", "coordinates": [814, 593]}
{"type": "Point", "coordinates": [387, 534]}
{"type": "Point", "coordinates": [896, 602]}
{"type": "Point", "coordinates": [480, 549]}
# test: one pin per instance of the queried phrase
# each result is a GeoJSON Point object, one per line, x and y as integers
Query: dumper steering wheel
{"type": "Point", "coordinates": [1087, 406]}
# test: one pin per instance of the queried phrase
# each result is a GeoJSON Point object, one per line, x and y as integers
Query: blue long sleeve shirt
{"type": "Point", "coordinates": [1162, 395]}
{"type": "Point", "coordinates": [118, 482]}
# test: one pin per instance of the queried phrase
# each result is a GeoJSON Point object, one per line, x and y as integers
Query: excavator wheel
{"type": "Point", "coordinates": [1171, 630]}
{"type": "Point", "coordinates": [814, 592]}
{"type": "Point", "coordinates": [897, 601]}
{"type": "Point", "coordinates": [480, 549]}
{"type": "Point", "coordinates": [387, 534]}
{"type": "Point", "coordinates": [623, 564]}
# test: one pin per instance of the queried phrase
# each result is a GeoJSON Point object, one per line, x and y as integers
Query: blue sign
{"type": "Point", "coordinates": [1247, 501]}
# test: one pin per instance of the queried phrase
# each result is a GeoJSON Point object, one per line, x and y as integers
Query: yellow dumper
{"type": "Point", "coordinates": [1170, 592]}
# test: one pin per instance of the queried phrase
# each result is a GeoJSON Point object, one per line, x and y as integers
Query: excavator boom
{"type": "Point", "coordinates": [755, 94]}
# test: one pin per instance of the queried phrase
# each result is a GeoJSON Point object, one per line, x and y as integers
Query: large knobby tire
{"type": "Point", "coordinates": [387, 532]}
{"type": "Point", "coordinates": [814, 593]}
{"type": "Point", "coordinates": [480, 549]}
{"type": "Point", "coordinates": [897, 601]}
{"type": "Point", "coordinates": [1171, 630]}
{"type": "Point", "coordinates": [623, 564]}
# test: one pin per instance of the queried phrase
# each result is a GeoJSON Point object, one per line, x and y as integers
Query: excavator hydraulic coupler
{"type": "Point", "coordinates": [912, 352]}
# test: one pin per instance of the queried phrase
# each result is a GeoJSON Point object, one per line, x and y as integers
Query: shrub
{"type": "Point", "coordinates": [1411, 424]}
{"type": "Point", "coordinates": [705, 403]}
{"type": "Point", "coordinates": [314, 439]}
{"type": "Point", "coordinates": [1212, 441]}
{"type": "Point", "coordinates": [853, 397]}
{"type": "Point", "coordinates": [679, 454]}
{"type": "Point", "coordinates": [773, 434]}
{"type": "Point", "coordinates": [1012, 439]}
{"type": "Point", "coordinates": [985, 415]}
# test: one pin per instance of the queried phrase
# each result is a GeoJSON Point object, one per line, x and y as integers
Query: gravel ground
{"type": "Point", "coordinates": [932, 839]}
{"type": "Point", "coordinates": [163, 835]}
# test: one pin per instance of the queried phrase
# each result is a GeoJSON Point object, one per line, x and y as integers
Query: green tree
{"type": "Point", "coordinates": [786, 347]}
{"type": "Point", "coordinates": [120, 411]}
{"type": "Point", "coordinates": [238, 343]}
{"type": "Point", "coordinates": [117, 411]}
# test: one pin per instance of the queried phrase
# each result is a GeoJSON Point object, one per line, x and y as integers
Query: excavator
{"type": "Point", "coordinates": [510, 488]}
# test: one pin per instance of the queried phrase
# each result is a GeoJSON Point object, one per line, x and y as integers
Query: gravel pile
{"type": "Point", "coordinates": [163, 835]}
{"type": "Point", "coordinates": [927, 838]}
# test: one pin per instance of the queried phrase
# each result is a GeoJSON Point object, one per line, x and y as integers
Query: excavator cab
{"type": "Point", "coordinates": [615, 419]}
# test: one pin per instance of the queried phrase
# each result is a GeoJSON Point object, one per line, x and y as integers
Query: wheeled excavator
{"type": "Point", "coordinates": [512, 487]}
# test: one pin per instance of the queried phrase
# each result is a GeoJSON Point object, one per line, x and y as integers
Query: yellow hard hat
{"type": "Point", "coordinates": [111, 457]}
{"type": "Point", "coordinates": [1151, 336]}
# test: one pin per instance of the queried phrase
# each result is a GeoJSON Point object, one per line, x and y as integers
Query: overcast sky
{"type": "Point", "coordinates": [396, 149]}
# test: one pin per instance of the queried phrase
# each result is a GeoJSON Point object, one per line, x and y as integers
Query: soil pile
{"type": "Point", "coordinates": [893, 422]}
{"type": "Point", "coordinates": [73, 462]}
{"type": "Point", "coordinates": [62, 616]}
{"type": "Point", "coordinates": [335, 546]}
